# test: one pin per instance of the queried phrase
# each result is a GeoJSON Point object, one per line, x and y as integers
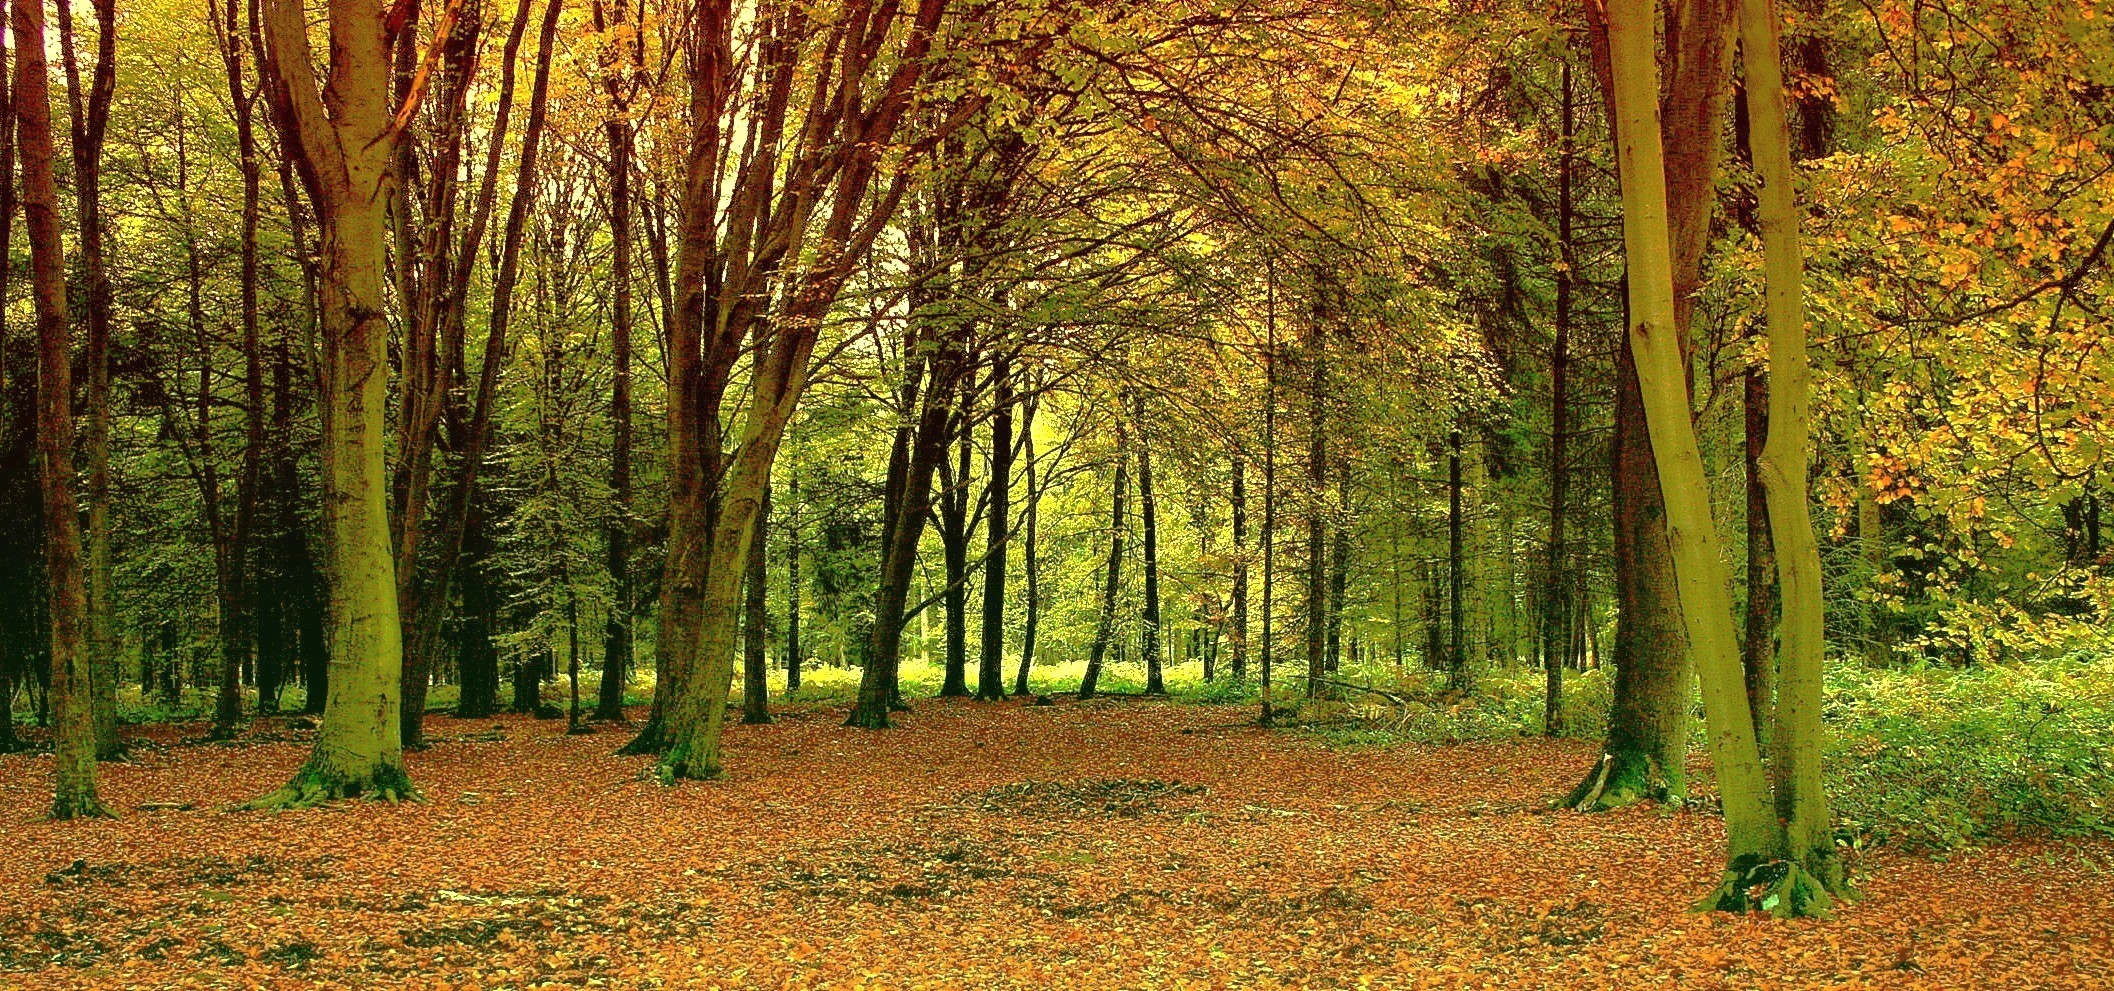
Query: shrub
{"type": "Point", "coordinates": [1935, 758]}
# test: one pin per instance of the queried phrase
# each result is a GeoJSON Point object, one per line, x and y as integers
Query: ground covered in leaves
{"type": "Point", "coordinates": [1115, 844]}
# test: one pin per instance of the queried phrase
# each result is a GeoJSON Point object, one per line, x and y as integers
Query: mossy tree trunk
{"type": "Point", "coordinates": [1785, 865]}
{"type": "Point", "coordinates": [1796, 743]}
{"type": "Point", "coordinates": [1148, 512]}
{"type": "Point", "coordinates": [90, 120]}
{"type": "Point", "coordinates": [343, 137]}
{"type": "Point", "coordinates": [72, 646]}
{"type": "Point", "coordinates": [756, 622]}
{"type": "Point", "coordinates": [1701, 575]}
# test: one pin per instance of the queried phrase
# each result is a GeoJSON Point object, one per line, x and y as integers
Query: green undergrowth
{"type": "Point", "coordinates": [1939, 758]}
{"type": "Point", "coordinates": [1924, 758]}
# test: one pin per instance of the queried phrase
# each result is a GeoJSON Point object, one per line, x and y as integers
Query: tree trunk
{"type": "Point", "coordinates": [1456, 572]}
{"type": "Point", "coordinates": [990, 668]}
{"type": "Point", "coordinates": [1648, 722]}
{"type": "Point", "coordinates": [1269, 532]}
{"type": "Point", "coordinates": [1556, 593]}
{"type": "Point", "coordinates": [1029, 566]}
{"type": "Point", "coordinates": [345, 155]}
{"type": "Point", "coordinates": [427, 589]}
{"type": "Point", "coordinates": [89, 126]}
{"type": "Point", "coordinates": [954, 547]}
{"type": "Point", "coordinates": [1155, 683]}
{"type": "Point", "coordinates": [1758, 646]}
{"type": "Point", "coordinates": [919, 449]}
{"type": "Point", "coordinates": [616, 535]}
{"type": "Point", "coordinates": [1801, 799]}
{"type": "Point", "coordinates": [1104, 629]}
{"type": "Point", "coordinates": [72, 647]}
{"type": "Point", "coordinates": [793, 650]}
{"type": "Point", "coordinates": [756, 622]}
{"type": "Point", "coordinates": [1240, 568]}
{"type": "Point", "coordinates": [1317, 620]}
{"type": "Point", "coordinates": [1339, 565]}
{"type": "Point", "coordinates": [476, 658]}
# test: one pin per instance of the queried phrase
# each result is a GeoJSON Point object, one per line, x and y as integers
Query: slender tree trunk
{"type": "Point", "coordinates": [793, 651]}
{"type": "Point", "coordinates": [427, 590]}
{"type": "Point", "coordinates": [1796, 752]}
{"type": "Point", "coordinates": [990, 669]}
{"type": "Point", "coordinates": [1339, 565]}
{"type": "Point", "coordinates": [919, 449]}
{"type": "Point", "coordinates": [1104, 629]}
{"type": "Point", "coordinates": [21, 497]}
{"type": "Point", "coordinates": [1556, 594]}
{"type": "Point", "coordinates": [1456, 571]}
{"type": "Point", "coordinates": [1269, 533]}
{"type": "Point", "coordinates": [1029, 566]}
{"type": "Point", "coordinates": [89, 124]}
{"type": "Point", "coordinates": [72, 646]}
{"type": "Point", "coordinates": [616, 535]}
{"type": "Point", "coordinates": [1758, 646]}
{"type": "Point", "coordinates": [1240, 568]}
{"type": "Point", "coordinates": [476, 658]}
{"type": "Point", "coordinates": [756, 622]}
{"type": "Point", "coordinates": [954, 547]}
{"type": "Point", "coordinates": [1317, 605]}
{"type": "Point", "coordinates": [1155, 683]}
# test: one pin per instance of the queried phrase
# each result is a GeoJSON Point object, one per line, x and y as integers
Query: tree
{"type": "Point", "coordinates": [343, 140]}
{"type": "Point", "coordinates": [990, 669]}
{"type": "Point", "coordinates": [1758, 853]}
{"type": "Point", "coordinates": [72, 646]}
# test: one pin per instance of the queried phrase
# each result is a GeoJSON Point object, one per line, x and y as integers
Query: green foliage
{"type": "Point", "coordinates": [1933, 758]}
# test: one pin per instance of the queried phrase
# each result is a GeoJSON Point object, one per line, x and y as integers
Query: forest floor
{"type": "Point", "coordinates": [1113, 844]}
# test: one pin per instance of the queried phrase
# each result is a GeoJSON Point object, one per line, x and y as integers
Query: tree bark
{"type": "Point", "coordinates": [1155, 682]}
{"type": "Point", "coordinates": [793, 651]}
{"type": "Point", "coordinates": [756, 622]}
{"type": "Point", "coordinates": [1104, 628]}
{"type": "Point", "coordinates": [954, 549]}
{"type": "Point", "coordinates": [1456, 571]}
{"type": "Point", "coordinates": [616, 535]}
{"type": "Point", "coordinates": [1648, 722]}
{"type": "Point", "coordinates": [89, 124]}
{"type": "Point", "coordinates": [344, 137]}
{"type": "Point", "coordinates": [1752, 834]}
{"type": "Point", "coordinates": [1796, 751]}
{"type": "Point", "coordinates": [72, 646]}
{"type": "Point", "coordinates": [1556, 593]}
{"type": "Point", "coordinates": [990, 669]}
{"type": "Point", "coordinates": [426, 589]}
{"type": "Point", "coordinates": [1030, 567]}
{"type": "Point", "coordinates": [1240, 568]}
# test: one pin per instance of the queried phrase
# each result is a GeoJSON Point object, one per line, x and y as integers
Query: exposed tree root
{"type": "Point", "coordinates": [315, 785]}
{"type": "Point", "coordinates": [80, 806]}
{"type": "Point", "coordinates": [685, 762]}
{"type": "Point", "coordinates": [868, 717]}
{"type": "Point", "coordinates": [1785, 889]}
{"type": "Point", "coordinates": [651, 740]}
{"type": "Point", "coordinates": [1623, 779]}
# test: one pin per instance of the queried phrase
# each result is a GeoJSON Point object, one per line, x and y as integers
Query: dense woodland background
{"type": "Point", "coordinates": [1263, 352]}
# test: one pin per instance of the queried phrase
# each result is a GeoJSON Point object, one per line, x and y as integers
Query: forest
{"type": "Point", "coordinates": [1056, 493]}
